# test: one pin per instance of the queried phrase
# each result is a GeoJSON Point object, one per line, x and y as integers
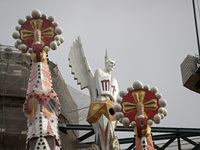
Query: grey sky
{"type": "Point", "coordinates": [147, 39]}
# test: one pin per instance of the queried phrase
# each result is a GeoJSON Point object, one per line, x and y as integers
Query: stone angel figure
{"type": "Point", "coordinates": [103, 89]}
{"type": "Point", "coordinates": [101, 85]}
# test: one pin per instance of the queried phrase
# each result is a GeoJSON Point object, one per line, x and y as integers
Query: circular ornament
{"type": "Point", "coordinates": [29, 27]}
{"type": "Point", "coordinates": [140, 98]}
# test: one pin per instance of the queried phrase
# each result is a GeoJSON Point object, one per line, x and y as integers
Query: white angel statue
{"type": "Point", "coordinates": [103, 89]}
{"type": "Point", "coordinates": [101, 85]}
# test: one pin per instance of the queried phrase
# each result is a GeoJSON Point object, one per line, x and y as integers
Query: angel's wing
{"type": "Point", "coordinates": [81, 69]}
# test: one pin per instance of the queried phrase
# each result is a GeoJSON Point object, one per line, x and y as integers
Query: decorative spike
{"type": "Point", "coordinates": [16, 45]}
{"type": "Point", "coordinates": [55, 24]}
{"type": "Point", "coordinates": [117, 116]}
{"type": "Point", "coordinates": [58, 43]}
{"type": "Point", "coordinates": [162, 102]}
{"type": "Point", "coordinates": [117, 107]}
{"type": "Point", "coordinates": [129, 89]}
{"type": "Point", "coordinates": [17, 28]}
{"type": "Point", "coordinates": [44, 16]}
{"type": "Point", "coordinates": [154, 90]}
{"type": "Point", "coordinates": [133, 124]}
{"type": "Point", "coordinates": [15, 35]}
{"type": "Point", "coordinates": [165, 112]}
{"type": "Point", "coordinates": [146, 87]}
{"type": "Point", "coordinates": [119, 100]}
{"type": "Point", "coordinates": [120, 120]}
{"type": "Point", "coordinates": [161, 110]}
{"type": "Point", "coordinates": [58, 30]}
{"type": "Point", "coordinates": [125, 122]}
{"type": "Point", "coordinates": [150, 122]}
{"type": "Point", "coordinates": [157, 118]}
{"type": "Point", "coordinates": [18, 41]}
{"type": "Point", "coordinates": [23, 48]}
{"type": "Point", "coordinates": [28, 17]}
{"type": "Point", "coordinates": [57, 38]}
{"type": "Point", "coordinates": [159, 96]}
{"type": "Point", "coordinates": [36, 13]}
{"type": "Point", "coordinates": [162, 116]}
{"type": "Point", "coordinates": [122, 93]}
{"type": "Point", "coordinates": [53, 45]}
{"type": "Point", "coordinates": [137, 85]}
{"type": "Point", "coordinates": [47, 49]}
{"type": "Point", "coordinates": [61, 39]}
{"type": "Point", "coordinates": [21, 21]}
{"type": "Point", "coordinates": [51, 18]}
{"type": "Point", "coordinates": [30, 50]}
{"type": "Point", "coordinates": [121, 115]}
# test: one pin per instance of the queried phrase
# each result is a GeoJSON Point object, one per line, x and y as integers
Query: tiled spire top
{"type": "Point", "coordinates": [40, 78]}
{"type": "Point", "coordinates": [37, 29]}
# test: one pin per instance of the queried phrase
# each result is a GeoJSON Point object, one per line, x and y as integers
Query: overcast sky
{"type": "Point", "coordinates": [147, 39]}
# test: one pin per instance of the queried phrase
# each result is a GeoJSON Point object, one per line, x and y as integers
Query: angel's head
{"type": "Point", "coordinates": [109, 63]}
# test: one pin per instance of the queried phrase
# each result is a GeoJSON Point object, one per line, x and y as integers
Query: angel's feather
{"type": "Point", "coordinates": [81, 69]}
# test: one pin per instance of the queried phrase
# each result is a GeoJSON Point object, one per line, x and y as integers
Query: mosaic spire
{"type": "Point", "coordinates": [140, 107]}
{"type": "Point", "coordinates": [37, 35]}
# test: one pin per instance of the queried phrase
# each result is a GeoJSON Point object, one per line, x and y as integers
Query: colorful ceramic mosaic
{"type": "Point", "coordinates": [140, 107]}
{"type": "Point", "coordinates": [37, 35]}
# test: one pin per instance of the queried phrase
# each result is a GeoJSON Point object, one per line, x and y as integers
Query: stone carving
{"type": "Point", "coordinates": [103, 88]}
